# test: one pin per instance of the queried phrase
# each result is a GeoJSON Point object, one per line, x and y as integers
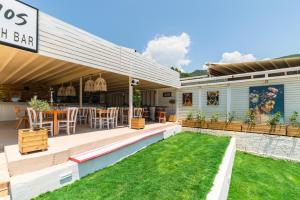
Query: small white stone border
{"type": "Point", "coordinates": [220, 188]}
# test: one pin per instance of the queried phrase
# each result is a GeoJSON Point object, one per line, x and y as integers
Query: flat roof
{"type": "Point", "coordinates": [223, 69]}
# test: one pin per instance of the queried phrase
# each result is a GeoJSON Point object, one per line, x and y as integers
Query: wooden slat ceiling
{"type": "Point", "coordinates": [20, 68]}
{"type": "Point", "coordinates": [219, 69]}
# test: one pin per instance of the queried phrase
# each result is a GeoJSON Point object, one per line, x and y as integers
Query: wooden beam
{"type": "Point", "coordinates": [259, 64]}
{"type": "Point", "coordinates": [274, 65]}
{"type": "Point", "coordinates": [8, 60]}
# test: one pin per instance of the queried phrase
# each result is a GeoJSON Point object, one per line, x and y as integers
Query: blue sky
{"type": "Point", "coordinates": [200, 31]}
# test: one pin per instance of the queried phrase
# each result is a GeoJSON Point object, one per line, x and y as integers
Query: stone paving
{"type": "Point", "coordinates": [281, 147]}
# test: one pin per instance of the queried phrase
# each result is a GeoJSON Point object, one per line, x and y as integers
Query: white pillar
{"type": "Point", "coordinates": [200, 99]}
{"type": "Point", "coordinates": [228, 95]}
{"type": "Point", "coordinates": [80, 92]}
{"type": "Point", "coordinates": [156, 97]}
{"type": "Point", "coordinates": [130, 111]}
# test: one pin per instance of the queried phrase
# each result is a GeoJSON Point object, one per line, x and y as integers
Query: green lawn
{"type": "Point", "coordinates": [257, 177]}
{"type": "Point", "coordinates": [181, 167]}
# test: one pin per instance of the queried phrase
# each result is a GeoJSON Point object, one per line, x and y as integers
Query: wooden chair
{"type": "Point", "coordinates": [70, 122]}
{"type": "Point", "coordinates": [93, 119]}
{"type": "Point", "coordinates": [19, 118]}
{"type": "Point", "coordinates": [83, 115]}
{"type": "Point", "coordinates": [36, 120]}
{"type": "Point", "coordinates": [138, 112]}
{"type": "Point", "coordinates": [162, 117]}
{"type": "Point", "coordinates": [109, 119]}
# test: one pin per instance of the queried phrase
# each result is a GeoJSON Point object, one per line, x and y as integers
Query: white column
{"type": "Point", "coordinates": [156, 97]}
{"type": "Point", "coordinates": [130, 111]}
{"type": "Point", "coordinates": [80, 92]}
{"type": "Point", "coordinates": [228, 95]}
{"type": "Point", "coordinates": [200, 99]}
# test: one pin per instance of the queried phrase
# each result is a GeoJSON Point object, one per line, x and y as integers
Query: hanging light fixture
{"type": "Point", "coordinates": [70, 90]}
{"type": "Point", "coordinates": [61, 91]}
{"type": "Point", "coordinates": [100, 84]}
{"type": "Point", "coordinates": [89, 85]}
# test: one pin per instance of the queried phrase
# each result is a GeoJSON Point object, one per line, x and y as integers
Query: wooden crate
{"type": "Point", "coordinates": [216, 125]}
{"type": "Point", "coordinates": [265, 129]}
{"type": "Point", "coordinates": [188, 123]}
{"type": "Point", "coordinates": [4, 188]}
{"type": "Point", "coordinates": [233, 126]}
{"type": "Point", "coordinates": [30, 141]}
{"type": "Point", "coordinates": [293, 131]}
{"type": "Point", "coordinates": [201, 124]}
{"type": "Point", "coordinates": [172, 118]}
{"type": "Point", "coordinates": [138, 123]}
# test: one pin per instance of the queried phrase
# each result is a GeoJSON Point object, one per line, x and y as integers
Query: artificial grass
{"type": "Point", "coordinates": [255, 177]}
{"type": "Point", "coordinates": [181, 167]}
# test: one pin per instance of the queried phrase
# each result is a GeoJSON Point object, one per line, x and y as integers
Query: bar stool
{"type": "Point", "coordinates": [162, 117]}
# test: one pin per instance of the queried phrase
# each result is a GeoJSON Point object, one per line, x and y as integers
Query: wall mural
{"type": "Point", "coordinates": [266, 101]}
{"type": "Point", "coordinates": [187, 99]}
{"type": "Point", "coordinates": [213, 98]}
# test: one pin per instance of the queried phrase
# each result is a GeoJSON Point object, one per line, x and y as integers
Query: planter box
{"type": "Point", "coordinates": [293, 131]}
{"type": "Point", "coordinates": [188, 123]}
{"type": "Point", "coordinates": [216, 125]}
{"type": "Point", "coordinates": [233, 126]}
{"type": "Point", "coordinates": [266, 129]}
{"type": "Point", "coordinates": [172, 118]}
{"type": "Point", "coordinates": [201, 124]}
{"type": "Point", "coordinates": [30, 140]}
{"type": "Point", "coordinates": [138, 123]}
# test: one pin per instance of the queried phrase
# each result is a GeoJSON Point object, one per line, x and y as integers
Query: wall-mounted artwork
{"type": "Point", "coordinates": [187, 99]}
{"type": "Point", "coordinates": [265, 101]}
{"type": "Point", "coordinates": [167, 94]}
{"type": "Point", "coordinates": [213, 98]}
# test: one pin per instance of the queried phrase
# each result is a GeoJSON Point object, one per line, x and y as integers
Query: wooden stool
{"type": "Point", "coordinates": [162, 117]}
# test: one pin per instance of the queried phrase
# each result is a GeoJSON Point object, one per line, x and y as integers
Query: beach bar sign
{"type": "Point", "coordinates": [18, 25]}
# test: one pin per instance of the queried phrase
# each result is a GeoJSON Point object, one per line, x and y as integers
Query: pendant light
{"type": "Point", "coordinates": [89, 85]}
{"type": "Point", "coordinates": [70, 90]}
{"type": "Point", "coordinates": [100, 84]}
{"type": "Point", "coordinates": [61, 91]}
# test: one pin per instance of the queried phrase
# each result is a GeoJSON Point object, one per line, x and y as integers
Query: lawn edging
{"type": "Point", "coordinates": [220, 188]}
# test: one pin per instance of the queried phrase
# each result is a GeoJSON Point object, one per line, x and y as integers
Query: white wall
{"type": "Point", "coordinates": [240, 97]}
{"type": "Point", "coordinates": [164, 101]}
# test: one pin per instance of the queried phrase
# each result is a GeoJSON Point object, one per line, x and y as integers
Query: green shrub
{"type": "Point", "coordinates": [200, 116]}
{"type": "Point", "coordinates": [230, 117]}
{"type": "Point", "coordinates": [293, 119]}
{"type": "Point", "coordinates": [38, 105]}
{"type": "Point", "coordinates": [274, 119]}
{"type": "Point", "coordinates": [215, 117]}
{"type": "Point", "coordinates": [190, 115]}
{"type": "Point", "coordinates": [250, 118]}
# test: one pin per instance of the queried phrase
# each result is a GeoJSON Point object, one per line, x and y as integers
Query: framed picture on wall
{"type": "Point", "coordinates": [187, 99]}
{"type": "Point", "coordinates": [213, 98]}
{"type": "Point", "coordinates": [167, 94]}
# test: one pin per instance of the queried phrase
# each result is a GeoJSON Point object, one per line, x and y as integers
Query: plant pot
{"type": "Point", "coordinates": [188, 123]}
{"type": "Point", "coordinates": [216, 125]}
{"type": "Point", "coordinates": [293, 131]}
{"type": "Point", "coordinates": [265, 129]}
{"type": "Point", "coordinates": [200, 124]}
{"type": "Point", "coordinates": [233, 126]}
{"type": "Point", "coordinates": [30, 140]}
{"type": "Point", "coordinates": [138, 123]}
{"type": "Point", "coordinates": [172, 118]}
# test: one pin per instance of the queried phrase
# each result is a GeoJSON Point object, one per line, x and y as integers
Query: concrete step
{"type": "Point", "coordinates": [4, 176]}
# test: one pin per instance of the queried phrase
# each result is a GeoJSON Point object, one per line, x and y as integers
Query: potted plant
{"type": "Point", "coordinates": [274, 125]}
{"type": "Point", "coordinates": [172, 118]}
{"type": "Point", "coordinates": [35, 139]}
{"type": "Point", "coordinates": [293, 129]}
{"type": "Point", "coordinates": [189, 121]}
{"type": "Point", "coordinates": [200, 120]}
{"type": "Point", "coordinates": [137, 122]}
{"type": "Point", "coordinates": [230, 125]}
{"type": "Point", "coordinates": [214, 122]}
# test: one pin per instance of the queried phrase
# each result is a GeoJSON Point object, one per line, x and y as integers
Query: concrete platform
{"type": "Point", "coordinates": [61, 148]}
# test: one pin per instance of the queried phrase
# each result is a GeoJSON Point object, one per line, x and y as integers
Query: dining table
{"type": "Point", "coordinates": [54, 113]}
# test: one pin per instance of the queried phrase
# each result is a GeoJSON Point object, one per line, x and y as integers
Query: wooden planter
{"type": "Point", "coordinates": [172, 118]}
{"type": "Point", "coordinates": [30, 140]}
{"type": "Point", "coordinates": [201, 124]}
{"type": "Point", "coordinates": [138, 123]}
{"type": "Point", "coordinates": [216, 125]}
{"type": "Point", "coordinates": [233, 126]}
{"type": "Point", "coordinates": [265, 129]}
{"type": "Point", "coordinates": [188, 123]}
{"type": "Point", "coordinates": [293, 131]}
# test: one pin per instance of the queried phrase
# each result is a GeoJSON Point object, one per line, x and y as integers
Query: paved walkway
{"type": "Point", "coordinates": [281, 147]}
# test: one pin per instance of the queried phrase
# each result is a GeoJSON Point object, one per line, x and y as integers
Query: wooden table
{"type": "Point", "coordinates": [102, 112]}
{"type": "Point", "coordinates": [55, 114]}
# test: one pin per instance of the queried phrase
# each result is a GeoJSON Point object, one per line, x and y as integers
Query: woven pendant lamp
{"type": "Point", "coordinates": [61, 91]}
{"type": "Point", "coordinates": [70, 91]}
{"type": "Point", "coordinates": [100, 84]}
{"type": "Point", "coordinates": [89, 85]}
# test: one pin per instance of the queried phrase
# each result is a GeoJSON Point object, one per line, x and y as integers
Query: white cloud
{"type": "Point", "coordinates": [236, 57]}
{"type": "Point", "coordinates": [169, 50]}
